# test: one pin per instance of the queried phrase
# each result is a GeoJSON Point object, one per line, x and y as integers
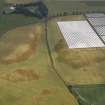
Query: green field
{"type": "Point", "coordinates": [90, 94]}
{"type": "Point", "coordinates": [9, 22]}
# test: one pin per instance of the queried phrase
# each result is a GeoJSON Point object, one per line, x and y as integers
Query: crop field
{"type": "Point", "coordinates": [76, 66]}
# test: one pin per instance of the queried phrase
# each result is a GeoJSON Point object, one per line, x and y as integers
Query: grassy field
{"type": "Point", "coordinates": [26, 76]}
{"type": "Point", "coordinates": [76, 66]}
{"type": "Point", "coordinates": [2, 3]}
{"type": "Point", "coordinates": [8, 22]}
{"type": "Point", "coordinates": [90, 95]}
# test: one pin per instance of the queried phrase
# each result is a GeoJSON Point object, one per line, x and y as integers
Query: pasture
{"type": "Point", "coordinates": [26, 76]}
{"type": "Point", "coordinates": [26, 73]}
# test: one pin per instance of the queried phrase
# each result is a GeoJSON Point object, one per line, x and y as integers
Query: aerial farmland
{"type": "Point", "coordinates": [52, 52]}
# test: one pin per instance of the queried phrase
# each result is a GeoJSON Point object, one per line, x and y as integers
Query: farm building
{"type": "Point", "coordinates": [83, 37]}
{"type": "Point", "coordinates": [98, 23]}
{"type": "Point", "coordinates": [91, 33]}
